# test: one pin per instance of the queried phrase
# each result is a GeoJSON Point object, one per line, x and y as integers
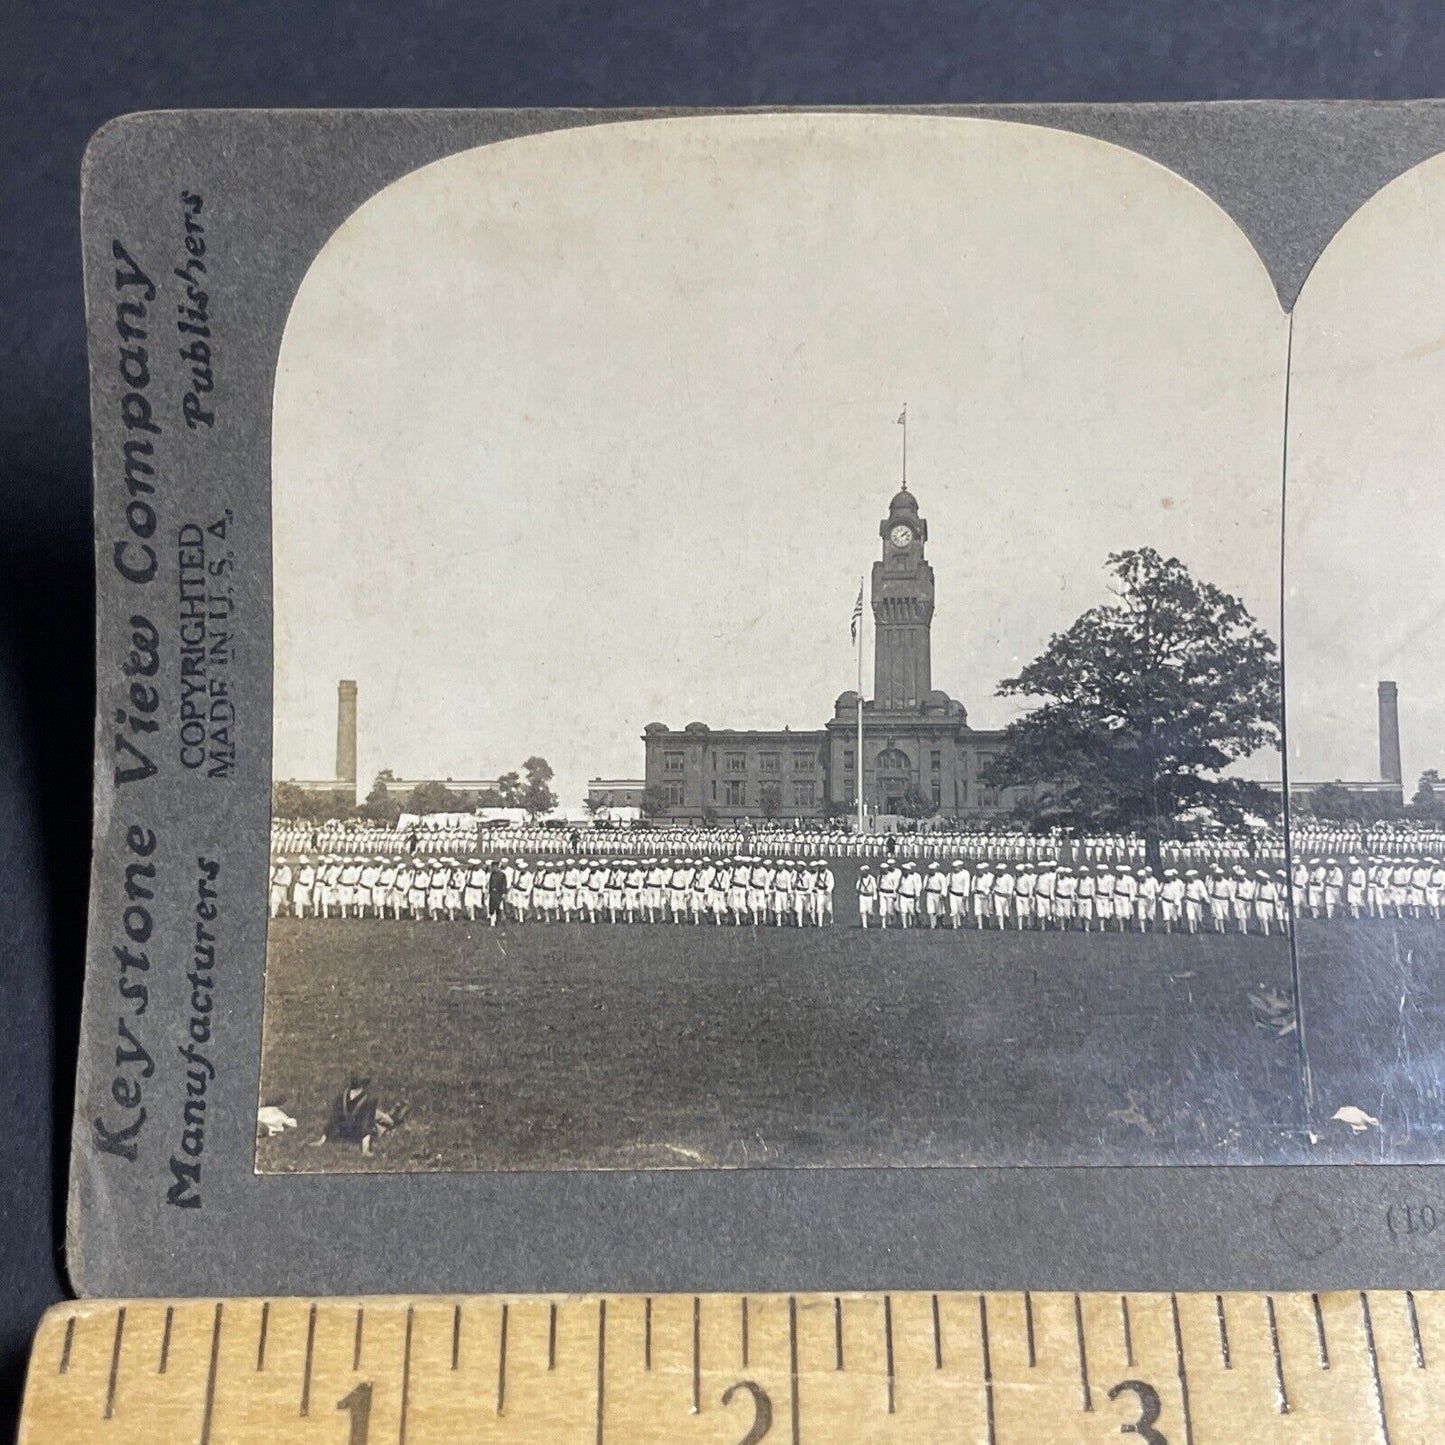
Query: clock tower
{"type": "Point", "coordinates": [902, 609]}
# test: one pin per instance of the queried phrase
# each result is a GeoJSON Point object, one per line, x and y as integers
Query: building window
{"type": "Point", "coordinates": [937, 760]}
{"type": "Point", "coordinates": [672, 762]}
{"type": "Point", "coordinates": [804, 793]}
{"type": "Point", "coordinates": [770, 762]}
{"type": "Point", "coordinates": [937, 794]}
{"type": "Point", "coordinates": [714, 790]}
{"type": "Point", "coordinates": [848, 759]}
{"type": "Point", "coordinates": [737, 762]}
{"type": "Point", "coordinates": [733, 796]}
{"type": "Point", "coordinates": [673, 793]}
{"type": "Point", "coordinates": [803, 762]}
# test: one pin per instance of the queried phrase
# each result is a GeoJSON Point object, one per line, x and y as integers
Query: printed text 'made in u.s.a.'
{"type": "Point", "coordinates": [206, 601]}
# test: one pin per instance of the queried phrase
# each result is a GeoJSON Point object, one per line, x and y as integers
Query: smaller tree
{"type": "Point", "coordinates": [537, 797]}
{"type": "Point", "coordinates": [654, 801]}
{"type": "Point", "coordinates": [434, 797]}
{"type": "Point", "coordinates": [509, 790]}
{"type": "Point", "coordinates": [1332, 803]}
{"type": "Point", "coordinates": [288, 801]}
{"type": "Point", "coordinates": [594, 805]}
{"type": "Point", "coordinates": [380, 806]}
{"type": "Point", "coordinates": [1428, 803]}
{"type": "Point", "coordinates": [770, 799]}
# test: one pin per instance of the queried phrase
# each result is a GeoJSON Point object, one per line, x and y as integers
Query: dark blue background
{"type": "Point", "coordinates": [72, 66]}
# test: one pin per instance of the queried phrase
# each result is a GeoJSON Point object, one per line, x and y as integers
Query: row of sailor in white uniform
{"type": "Point", "coordinates": [1090, 897]}
{"type": "Point", "coordinates": [653, 890]}
{"type": "Point", "coordinates": [357, 838]}
{"type": "Point", "coordinates": [1370, 886]}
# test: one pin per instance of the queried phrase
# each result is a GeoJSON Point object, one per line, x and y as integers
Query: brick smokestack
{"type": "Point", "coordinates": [1390, 771]}
{"type": "Point", "coordinates": [346, 730]}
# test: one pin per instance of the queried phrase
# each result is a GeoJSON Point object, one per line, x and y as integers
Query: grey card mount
{"type": "Point", "coordinates": [765, 699]}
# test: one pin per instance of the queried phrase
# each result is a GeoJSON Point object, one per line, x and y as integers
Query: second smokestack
{"type": "Point", "coordinates": [1390, 769]}
{"type": "Point", "coordinates": [346, 730]}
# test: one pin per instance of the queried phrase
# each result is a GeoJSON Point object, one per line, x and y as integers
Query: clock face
{"type": "Point", "coordinates": [901, 536]}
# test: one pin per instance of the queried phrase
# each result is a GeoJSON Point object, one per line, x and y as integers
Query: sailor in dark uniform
{"type": "Point", "coordinates": [496, 894]}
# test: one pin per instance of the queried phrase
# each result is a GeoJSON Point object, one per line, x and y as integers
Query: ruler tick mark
{"type": "Point", "coordinates": [64, 1367]}
{"type": "Point", "coordinates": [601, 1365]}
{"type": "Point", "coordinates": [745, 1332]}
{"type": "Point", "coordinates": [1375, 1367]}
{"type": "Point", "coordinates": [1320, 1331]}
{"type": "Point", "coordinates": [1083, 1354]}
{"type": "Point", "coordinates": [114, 1364]}
{"type": "Point", "coordinates": [261, 1338]}
{"type": "Point", "coordinates": [987, 1369]}
{"type": "Point", "coordinates": [405, 1377]}
{"type": "Point", "coordinates": [502, 1364]}
{"type": "Point", "coordinates": [552, 1336]}
{"type": "Point", "coordinates": [356, 1342]}
{"type": "Point", "coordinates": [209, 1411]}
{"type": "Point", "coordinates": [1182, 1369]}
{"type": "Point", "coordinates": [166, 1341]}
{"type": "Point", "coordinates": [456, 1336]}
{"type": "Point", "coordinates": [793, 1358]}
{"type": "Point", "coordinates": [1029, 1327]}
{"type": "Point", "coordinates": [310, 1353]}
{"type": "Point", "coordinates": [937, 1337]}
{"type": "Point", "coordinates": [696, 1355]}
{"type": "Point", "coordinates": [1223, 1331]}
{"type": "Point", "coordinates": [888, 1346]}
{"type": "Point", "coordinates": [1128, 1332]}
{"type": "Point", "coordinates": [837, 1332]}
{"type": "Point", "coordinates": [1283, 1394]}
{"type": "Point", "coordinates": [1415, 1329]}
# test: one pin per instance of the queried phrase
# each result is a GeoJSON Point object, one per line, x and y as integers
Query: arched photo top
{"type": "Point", "coordinates": [1365, 507]}
{"type": "Point", "coordinates": [596, 426]}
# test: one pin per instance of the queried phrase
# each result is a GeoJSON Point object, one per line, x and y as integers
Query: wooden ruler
{"type": "Point", "coordinates": [997, 1369]}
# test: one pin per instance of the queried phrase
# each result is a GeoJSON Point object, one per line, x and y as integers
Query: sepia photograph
{"type": "Point", "coordinates": [1365, 601]}
{"type": "Point", "coordinates": [780, 653]}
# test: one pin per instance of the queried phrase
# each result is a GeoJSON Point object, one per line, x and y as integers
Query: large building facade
{"type": "Point", "coordinates": [917, 744]}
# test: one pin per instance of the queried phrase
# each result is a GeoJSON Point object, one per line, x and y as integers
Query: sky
{"type": "Point", "coordinates": [580, 431]}
{"type": "Point", "coordinates": [1365, 596]}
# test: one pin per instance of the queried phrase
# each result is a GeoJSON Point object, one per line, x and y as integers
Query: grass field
{"type": "Point", "coordinates": [617, 1046]}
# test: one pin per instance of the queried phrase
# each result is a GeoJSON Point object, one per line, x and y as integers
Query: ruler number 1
{"type": "Point", "coordinates": [358, 1406]}
{"type": "Point", "coordinates": [1150, 1409]}
{"type": "Point", "coordinates": [762, 1409]}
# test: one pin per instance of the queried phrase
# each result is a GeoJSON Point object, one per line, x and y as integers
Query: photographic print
{"type": "Point", "coordinates": [777, 662]}
{"type": "Point", "coordinates": [1366, 708]}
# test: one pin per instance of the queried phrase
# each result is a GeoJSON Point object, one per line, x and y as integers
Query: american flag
{"type": "Point", "coordinates": [857, 614]}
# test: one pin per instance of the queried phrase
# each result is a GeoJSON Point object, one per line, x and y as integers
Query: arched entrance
{"type": "Point", "coordinates": [894, 778]}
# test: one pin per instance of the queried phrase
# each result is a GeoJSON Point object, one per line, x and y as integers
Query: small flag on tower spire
{"type": "Point", "coordinates": [857, 614]}
{"type": "Point", "coordinates": [903, 422]}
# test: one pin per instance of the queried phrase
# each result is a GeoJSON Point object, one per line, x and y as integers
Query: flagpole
{"type": "Point", "coordinates": [858, 773]}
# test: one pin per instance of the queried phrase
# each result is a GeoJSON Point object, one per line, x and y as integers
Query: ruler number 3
{"type": "Point", "coordinates": [1149, 1411]}
{"type": "Point", "coordinates": [762, 1409]}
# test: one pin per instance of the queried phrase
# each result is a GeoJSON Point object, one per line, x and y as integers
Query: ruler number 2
{"type": "Point", "coordinates": [762, 1409]}
{"type": "Point", "coordinates": [358, 1406]}
{"type": "Point", "coordinates": [1150, 1409]}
